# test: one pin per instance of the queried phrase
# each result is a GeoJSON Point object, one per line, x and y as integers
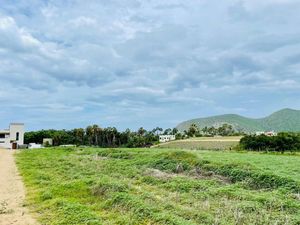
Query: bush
{"type": "Point", "coordinates": [282, 142]}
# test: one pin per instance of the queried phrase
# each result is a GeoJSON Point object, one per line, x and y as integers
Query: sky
{"type": "Point", "coordinates": [146, 63]}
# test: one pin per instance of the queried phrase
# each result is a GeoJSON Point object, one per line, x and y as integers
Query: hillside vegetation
{"type": "Point", "coordinates": [283, 120]}
{"type": "Point", "coordinates": [156, 186]}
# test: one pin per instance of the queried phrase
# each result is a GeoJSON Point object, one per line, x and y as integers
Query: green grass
{"type": "Point", "coordinates": [142, 186]}
{"type": "Point", "coordinates": [203, 143]}
{"type": "Point", "coordinates": [282, 165]}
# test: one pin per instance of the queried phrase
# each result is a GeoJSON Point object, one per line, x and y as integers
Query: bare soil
{"type": "Point", "coordinates": [12, 193]}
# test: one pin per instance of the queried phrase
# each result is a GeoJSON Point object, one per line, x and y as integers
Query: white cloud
{"type": "Point", "coordinates": [172, 59]}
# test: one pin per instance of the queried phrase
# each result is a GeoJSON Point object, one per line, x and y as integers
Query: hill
{"type": "Point", "coordinates": [283, 120]}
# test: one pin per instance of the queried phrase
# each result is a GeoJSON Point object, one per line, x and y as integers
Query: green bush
{"type": "Point", "coordinates": [280, 143]}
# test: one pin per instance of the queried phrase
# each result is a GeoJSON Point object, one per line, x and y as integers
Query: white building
{"type": "Point", "coordinates": [267, 133]}
{"type": "Point", "coordinates": [166, 138]}
{"type": "Point", "coordinates": [12, 137]}
{"type": "Point", "coordinates": [34, 145]}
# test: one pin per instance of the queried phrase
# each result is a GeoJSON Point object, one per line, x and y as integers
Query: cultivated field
{"type": "Point", "coordinates": [202, 143]}
{"type": "Point", "coordinates": [159, 186]}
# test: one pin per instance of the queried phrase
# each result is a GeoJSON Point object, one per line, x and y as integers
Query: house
{"type": "Point", "coordinates": [267, 133]}
{"type": "Point", "coordinates": [166, 138]}
{"type": "Point", "coordinates": [34, 145]}
{"type": "Point", "coordinates": [13, 137]}
{"type": "Point", "coordinates": [270, 133]}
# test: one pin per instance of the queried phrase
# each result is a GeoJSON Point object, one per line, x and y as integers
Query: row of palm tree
{"type": "Point", "coordinates": [95, 135]}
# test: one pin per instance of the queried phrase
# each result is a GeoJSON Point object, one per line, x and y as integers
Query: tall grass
{"type": "Point", "coordinates": [153, 186]}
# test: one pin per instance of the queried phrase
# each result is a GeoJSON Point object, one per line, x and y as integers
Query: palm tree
{"type": "Point", "coordinates": [141, 131]}
{"type": "Point", "coordinates": [96, 133]}
{"type": "Point", "coordinates": [90, 133]}
{"type": "Point", "coordinates": [79, 135]}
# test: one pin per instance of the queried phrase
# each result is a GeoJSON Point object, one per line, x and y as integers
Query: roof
{"type": "Point", "coordinates": [16, 123]}
{"type": "Point", "coordinates": [4, 131]}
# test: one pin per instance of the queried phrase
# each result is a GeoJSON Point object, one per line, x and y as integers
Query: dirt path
{"type": "Point", "coordinates": [12, 193]}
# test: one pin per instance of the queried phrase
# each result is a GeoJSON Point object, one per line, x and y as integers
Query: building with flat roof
{"type": "Point", "coordinates": [166, 138]}
{"type": "Point", "coordinates": [13, 137]}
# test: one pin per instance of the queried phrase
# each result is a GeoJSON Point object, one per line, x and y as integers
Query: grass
{"type": "Point", "coordinates": [160, 186]}
{"type": "Point", "coordinates": [203, 143]}
{"type": "Point", "coordinates": [282, 165]}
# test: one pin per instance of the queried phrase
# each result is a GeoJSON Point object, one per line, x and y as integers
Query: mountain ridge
{"type": "Point", "coordinates": [286, 119]}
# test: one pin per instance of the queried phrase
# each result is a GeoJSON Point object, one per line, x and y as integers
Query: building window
{"type": "Point", "coordinates": [2, 135]}
{"type": "Point", "coordinates": [17, 136]}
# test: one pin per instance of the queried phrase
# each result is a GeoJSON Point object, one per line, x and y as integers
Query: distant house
{"type": "Point", "coordinates": [166, 138]}
{"type": "Point", "coordinates": [267, 133]}
{"type": "Point", "coordinates": [13, 137]}
{"type": "Point", "coordinates": [34, 145]}
{"type": "Point", "coordinates": [270, 133]}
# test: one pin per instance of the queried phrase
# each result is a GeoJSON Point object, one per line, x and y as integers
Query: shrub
{"type": "Point", "coordinates": [280, 143]}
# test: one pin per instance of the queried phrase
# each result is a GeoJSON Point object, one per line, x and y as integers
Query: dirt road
{"type": "Point", "coordinates": [12, 193]}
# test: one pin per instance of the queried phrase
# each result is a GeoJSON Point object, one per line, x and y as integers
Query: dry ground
{"type": "Point", "coordinates": [12, 193]}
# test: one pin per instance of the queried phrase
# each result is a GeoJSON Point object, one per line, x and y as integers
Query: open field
{"type": "Point", "coordinates": [159, 186]}
{"type": "Point", "coordinates": [202, 143]}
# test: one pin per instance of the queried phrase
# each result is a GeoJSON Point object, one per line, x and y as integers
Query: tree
{"type": "Point", "coordinates": [157, 130]}
{"type": "Point", "coordinates": [141, 131]}
{"type": "Point", "coordinates": [79, 135]}
{"type": "Point", "coordinates": [205, 130]}
{"type": "Point", "coordinates": [225, 130]}
{"type": "Point", "coordinates": [193, 130]}
{"type": "Point", "coordinates": [96, 133]}
{"type": "Point", "coordinates": [212, 131]}
{"type": "Point", "coordinates": [174, 131]}
{"type": "Point", "coordinates": [167, 131]}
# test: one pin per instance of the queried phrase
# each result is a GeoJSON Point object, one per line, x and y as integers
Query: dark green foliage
{"type": "Point", "coordinates": [59, 136]}
{"type": "Point", "coordinates": [223, 130]}
{"type": "Point", "coordinates": [280, 143]}
{"type": "Point", "coordinates": [96, 136]}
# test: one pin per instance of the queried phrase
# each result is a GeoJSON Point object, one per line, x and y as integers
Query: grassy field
{"type": "Point", "coordinates": [202, 143]}
{"type": "Point", "coordinates": [161, 186]}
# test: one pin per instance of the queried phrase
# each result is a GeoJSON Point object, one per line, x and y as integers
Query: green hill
{"type": "Point", "coordinates": [283, 120]}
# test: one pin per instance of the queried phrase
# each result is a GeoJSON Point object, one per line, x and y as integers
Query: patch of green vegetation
{"type": "Point", "coordinates": [158, 186]}
{"type": "Point", "coordinates": [198, 144]}
{"type": "Point", "coordinates": [169, 161]}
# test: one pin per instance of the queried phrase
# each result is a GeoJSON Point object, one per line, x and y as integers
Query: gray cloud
{"type": "Point", "coordinates": [156, 62]}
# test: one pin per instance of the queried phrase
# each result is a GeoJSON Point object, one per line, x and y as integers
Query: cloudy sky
{"type": "Point", "coordinates": [132, 63]}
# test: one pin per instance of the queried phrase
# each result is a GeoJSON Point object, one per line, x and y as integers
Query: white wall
{"type": "Point", "coordinates": [15, 128]}
{"type": "Point", "coordinates": [5, 142]}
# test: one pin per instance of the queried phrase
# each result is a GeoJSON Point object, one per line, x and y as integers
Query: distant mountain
{"type": "Point", "coordinates": [283, 120]}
